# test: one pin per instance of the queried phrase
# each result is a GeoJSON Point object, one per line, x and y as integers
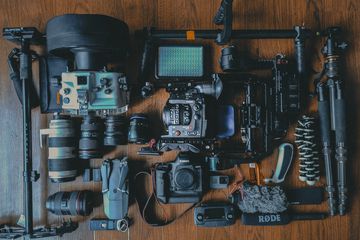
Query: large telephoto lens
{"type": "Point", "coordinates": [89, 144]}
{"type": "Point", "coordinates": [115, 130]}
{"type": "Point", "coordinates": [139, 129]}
{"type": "Point", "coordinates": [62, 143]}
{"type": "Point", "coordinates": [70, 203]}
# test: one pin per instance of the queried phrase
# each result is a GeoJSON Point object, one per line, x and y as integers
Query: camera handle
{"type": "Point", "coordinates": [25, 37]}
{"type": "Point", "coordinates": [224, 17]}
{"type": "Point", "coordinates": [143, 203]}
{"type": "Point", "coordinates": [147, 88]}
{"type": "Point", "coordinates": [14, 74]}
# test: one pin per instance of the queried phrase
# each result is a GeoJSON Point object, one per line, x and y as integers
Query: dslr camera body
{"type": "Point", "coordinates": [179, 181]}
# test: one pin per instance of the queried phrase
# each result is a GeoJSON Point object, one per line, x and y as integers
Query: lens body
{"type": "Point", "coordinates": [229, 59]}
{"type": "Point", "coordinates": [184, 178]}
{"type": "Point", "coordinates": [89, 144]}
{"type": "Point", "coordinates": [62, 143]}
{"type": "Point", "coordinates": [139, 129]}
{"type": "Point", "coordinates": [70, 203]}
{"type": "Point", "coordinates": [115, 130]}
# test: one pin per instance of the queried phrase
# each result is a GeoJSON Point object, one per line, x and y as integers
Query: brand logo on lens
{"type": "Point", "coordinates": [270, 218]}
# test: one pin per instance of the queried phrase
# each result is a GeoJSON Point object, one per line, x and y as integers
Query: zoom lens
{"type": "Point", "coordinates": [89, 144]}
{"type": "Point", "coordinates": [139, 129]}
{"type": "Point", "coordinates": [229, 59]}
{"type": "Point", "coordinates": [70, 203]}
{"type": "Point", "coordinates": [62, 163]}
{"type": "Point", "coordinates": [115, 130]}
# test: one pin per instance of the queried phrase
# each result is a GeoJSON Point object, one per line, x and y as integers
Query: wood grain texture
{"type": "Point", "coordinates": [180, 14]}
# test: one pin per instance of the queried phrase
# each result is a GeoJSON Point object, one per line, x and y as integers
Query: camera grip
{"type": "Point", "coordinates": [160, 185]}
{"type": "Point", "coordinates": [14, 75]}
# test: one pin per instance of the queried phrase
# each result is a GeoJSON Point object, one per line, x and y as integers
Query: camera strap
{"type": "Point", "coordinates": [144, 203]}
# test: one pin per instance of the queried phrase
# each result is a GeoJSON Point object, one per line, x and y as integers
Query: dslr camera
{"type": "Point", "coordinates": [179, 181]}
{"type": "Point", "coordinates": [74, 74]}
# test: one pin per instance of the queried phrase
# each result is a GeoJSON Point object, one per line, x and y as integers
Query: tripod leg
{"type": "Point", "coordinates": [341, 150]}
{"type": "Point", "coordinates": [324, 115]}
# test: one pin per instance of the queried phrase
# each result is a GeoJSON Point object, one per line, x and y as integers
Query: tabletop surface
{"type": "Point", "coordinates": [180, 14]}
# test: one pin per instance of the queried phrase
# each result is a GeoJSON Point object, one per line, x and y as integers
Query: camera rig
{"type": "Point", "coordinates": [24, 37]}
{"type": "Point", "coordinates": [74, 74]}
{"type": "Point", "coordinates": [281, 95]}
{"type": "Point", "coordinates": [281, 99]}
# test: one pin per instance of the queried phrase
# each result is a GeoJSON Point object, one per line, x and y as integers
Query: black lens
{"type": "Point", "coordinates": [62, 163]}
{"type": "Point", "coordinates": [139, 129]}
{"type": "Point", "coordinates": [89, 144]}
{"type": "Point", "coordinates": [228, 60]}
{"type": "Point", "coordinates": [70, 203]}
{"type": "Point", "coordinates": [115, 130]}
{"type": "Point", "coordinates": [184, 178]}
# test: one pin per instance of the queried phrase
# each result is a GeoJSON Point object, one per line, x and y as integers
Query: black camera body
{"type": "Point", "coordinates": [186, 115]}
{"type": "Point", "coordinates": [179, 181]}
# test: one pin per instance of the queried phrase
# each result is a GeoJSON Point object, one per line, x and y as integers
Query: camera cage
{"type": "Point", "coordinates": [271, 115]}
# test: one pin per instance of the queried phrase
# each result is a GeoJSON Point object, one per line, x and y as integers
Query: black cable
{"type": "Point", "coordinates": [152, 197]}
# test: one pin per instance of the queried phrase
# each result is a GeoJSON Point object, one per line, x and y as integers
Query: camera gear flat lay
{"type": "Point", "coordinates": [84, 86]}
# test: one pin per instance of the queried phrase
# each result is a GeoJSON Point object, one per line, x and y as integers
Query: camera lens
{"type": "Point", "coordinates": [184, 178]}
{"type": "Point", "coordinates": [70, 203]}
{"type": "Point", "coordinates": [62, 163]}
{"type": "Point", "coordinates": [115, 130]}
{"type": "Point", "coordinates": [89, 144]}
{"type": "Point", "coordinates": [139, 129]}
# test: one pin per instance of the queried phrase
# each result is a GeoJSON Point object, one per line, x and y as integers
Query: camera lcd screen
{"type": "Point", "coordinates": [214, 213]}
{"type": "Point", "coordinates": [180, 62]}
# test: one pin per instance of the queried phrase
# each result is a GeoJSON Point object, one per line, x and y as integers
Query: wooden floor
{"type": "Point", "coordinates": [179, 14]}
